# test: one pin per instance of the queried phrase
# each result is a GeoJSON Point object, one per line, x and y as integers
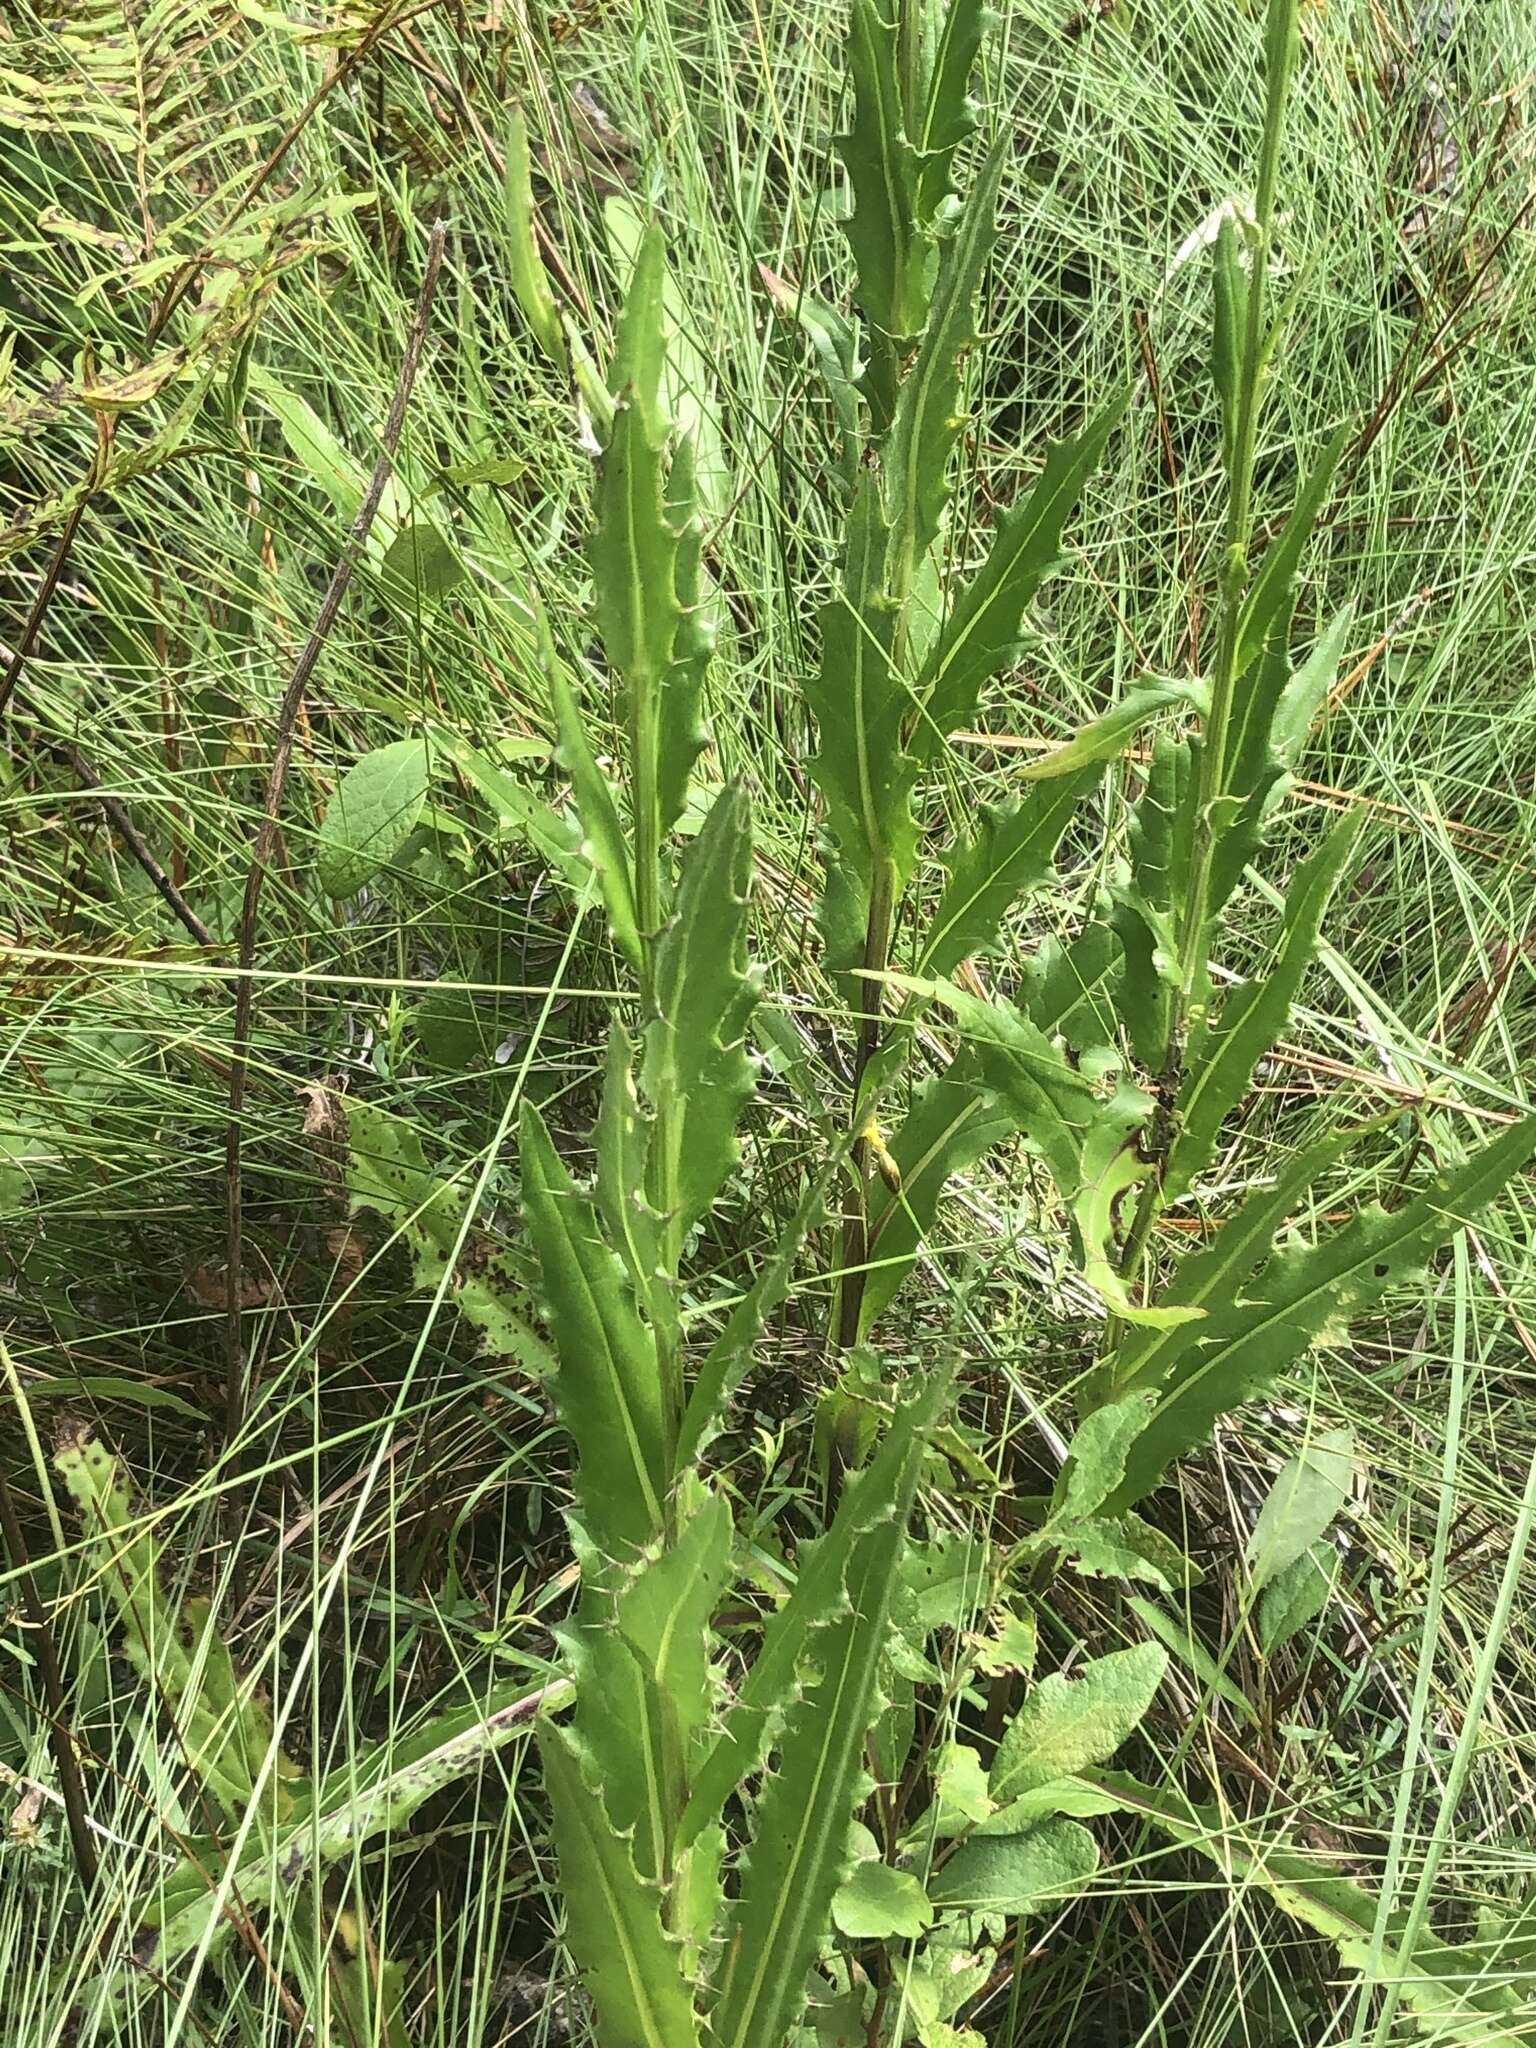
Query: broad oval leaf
{"type": "Point", "coordinates": [374, 811]}
{"type": "Point", "coordinates": [1012, 1874]}
{"type": "Point", "coordinates": [876, 1903]}
{"type": "Point", "coordinates": [1307, 1495]}
{"type": "Point", "coordinates": [1067, 1723]}
{"type": "Point", "coordinates": [422, 563]}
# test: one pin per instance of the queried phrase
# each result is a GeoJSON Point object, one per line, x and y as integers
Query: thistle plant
{"type": "Point", "coordinates": [809, 1776]}
{"type": "Point", "coordinates": [725, 1860]}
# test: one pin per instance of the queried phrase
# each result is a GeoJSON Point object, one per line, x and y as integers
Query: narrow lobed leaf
{"type": "Point", "coordinates": [981, 636]}
{"type": "Point", "coordinates": [632, 1966]}
{"type": "Point", "coordinates": [926, 426]}
{"type": "Point", "coordinates": [696, 1059]}
{"type": "Point", "coordinates": [800, 1849]}
{"type": "Point", "coordinates": [607, 1388]}
{"type": "Point", "coordinates": [1247, 1342]}
{"type": "Point", "coordinates": [949, 113]}
{"type": "Point", "coordinates": [1221, 1056]}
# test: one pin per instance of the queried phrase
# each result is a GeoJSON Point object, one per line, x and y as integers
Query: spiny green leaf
{"type": "Point", "coordinates": [530, 285]}
{"type": "Point", "coordinates": [730, 1354]}
{"type": "Point", "coordinates": [835, 342]}
{"type": "Point", "coordinates": [1066, 1723]}
{"type": "Point", "coordinates": [1245, 1344]}
{"type": "Point", "coordinates": [1112, 1164]}
{"type": "Point", "coordinates": [632, 1966]}
{"type": "Point", "coordinates": [818, 1602]}
{"type": "Point", "coordinates": [1308, 686]}
{"type": "Point", "coordinates": [1307, 1495]}
{"type": "Point", "coordinates": [954, 1121]}
{"type": "Point", "coordinates": [1084, 1137]}
{"type": "Point", "coordinates": [890, 251]}
{"type": "Point", "coordinates": [1273, 587]}
{"type": "Point", "coordinates": [387, 1171]}
{"type": "Point", "coordinates": [372, 814]}
{"type": "Point", "coordinates": [607, 1389]}
{"type": "Point", "coordinates": [1215, 1275]}
{"type": "Point", "coordinates": [622, 1724]}
{"type": "Point", "coordinates": [689, 392]}
{"type": "Point", "coordinates": [665, 1609]}
{"type": "Point", "coordinates": [639, 1656]}
{"type": "Point", "coordinates": [1222, 1055]}
{"type": "Point", "coordinates": [1006, 860]}
{"type": "Point", "coordinates": [1149, 906]}
{"type": "Point", "coordinates": [638, 364]}
{"type": "Point", "coordinates": [695, 1053]}
{"type": "Point", "coordinates": [1012, 1874]}
{"type": "Point", "coordinates": [603, 843]}
{"type": "Point", "coordinates": [915, 456]}
{"type": "Point", "coordinates": [1052, 1104]}
{"type": "Point", "coordinates": [1229, 287]}
{"type": "Point", "coordinates": [621, 1139]}
{"type": "Point", "coordinates": [949, 113]}
{"type": "Point", "coordinates": [634, 548]}
{"type": "Point", "coordinates": [980, 638]}
{"type": "Point", "coordinates": [1271, 721]}
{"type": "Point", "coordinates": [681, 735]}
{"type": "Point", "coordinates": [800, 1848]}
{"type": "Point", "coordinates": [860, 702]}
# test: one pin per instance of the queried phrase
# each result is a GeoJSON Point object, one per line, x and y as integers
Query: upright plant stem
{"type": "Point", "coordinates": [877, 954]}
{"type": "Point", "coordinates": [1281, 41]}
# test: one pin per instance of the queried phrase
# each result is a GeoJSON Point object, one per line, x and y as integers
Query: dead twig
{"type": "Point", "coordinates": [136, 844]}
{"type": "Point", "coordinates": [266, 831]}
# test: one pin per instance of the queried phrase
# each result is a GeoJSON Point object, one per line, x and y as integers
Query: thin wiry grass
{"type": "Point", "coordinates": [391, 1485]}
